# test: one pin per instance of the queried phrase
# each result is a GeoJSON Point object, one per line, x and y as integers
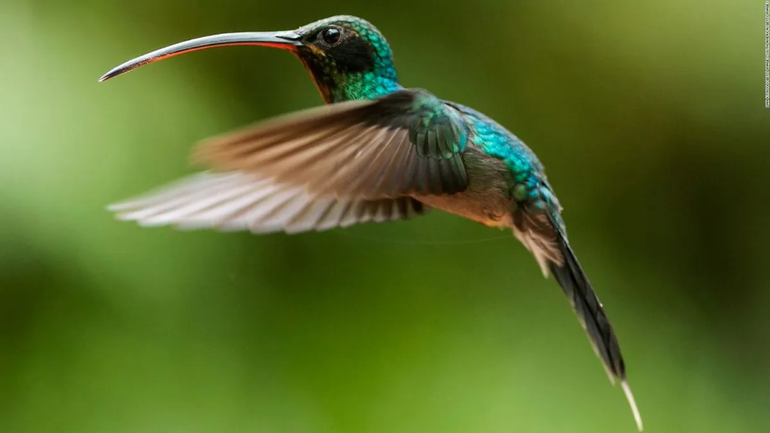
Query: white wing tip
{"type": "Point", "coordinates": [632, 403]}
{"type": "Point", "coordinates": [117, 207]}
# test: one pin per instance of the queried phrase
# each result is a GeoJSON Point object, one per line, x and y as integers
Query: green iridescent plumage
{"type": "Point", "coordinates": [376, 152]}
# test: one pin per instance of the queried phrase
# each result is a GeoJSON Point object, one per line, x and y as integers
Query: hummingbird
{"type": "Point", "coordinates": [375, 151]}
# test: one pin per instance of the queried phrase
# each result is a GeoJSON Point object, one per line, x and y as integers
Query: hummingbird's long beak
{"type": "Point", "coordinates": [284, 40]}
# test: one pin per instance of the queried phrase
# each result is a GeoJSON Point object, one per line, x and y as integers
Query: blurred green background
{"type": "Point", "coordinates": [648, 115]}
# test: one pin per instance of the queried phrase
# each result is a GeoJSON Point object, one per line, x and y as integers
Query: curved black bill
{"type": "Point", "coordinates": [282, 40]}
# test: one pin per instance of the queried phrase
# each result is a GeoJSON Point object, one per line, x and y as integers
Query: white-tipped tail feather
{"type": "Point", "coordinates": [632, 403]}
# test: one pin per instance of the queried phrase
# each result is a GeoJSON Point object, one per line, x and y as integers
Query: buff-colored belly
{"type": "Point", "coordinates": [489, 208]}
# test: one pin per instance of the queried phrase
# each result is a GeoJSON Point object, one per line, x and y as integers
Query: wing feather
{"type": "Point", "coordinates": [241, 201]}
{"type": "Point", "coordinates": [405, 143]}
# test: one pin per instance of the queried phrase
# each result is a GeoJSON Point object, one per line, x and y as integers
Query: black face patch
{"type": "Point", "coordinates": [350, 53]}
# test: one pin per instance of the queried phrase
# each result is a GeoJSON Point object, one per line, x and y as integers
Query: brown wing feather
{"type": "Point", "coordinates": [355, 149]}
{"type": "Point", "coordinates": [241, 201]}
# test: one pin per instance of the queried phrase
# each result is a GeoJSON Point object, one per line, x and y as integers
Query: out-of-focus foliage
{"type": "Point", "coordinates": [648, 115]}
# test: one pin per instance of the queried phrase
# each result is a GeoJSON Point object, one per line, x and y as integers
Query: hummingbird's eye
{"type": "Point", "coordinates": [331, 36]}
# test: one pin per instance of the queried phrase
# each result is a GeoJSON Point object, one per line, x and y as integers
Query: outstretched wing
{"type": "Point", "coordinates": [241, 201]}
{"type": "Point", "coordinates": [408, 142]}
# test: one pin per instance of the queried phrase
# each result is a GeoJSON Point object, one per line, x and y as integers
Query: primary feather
{"type": "Point", "coordinates": [240, 201]}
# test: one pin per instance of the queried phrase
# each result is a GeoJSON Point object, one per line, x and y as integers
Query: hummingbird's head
{"type": "Point", "coordinates": [347, 56]}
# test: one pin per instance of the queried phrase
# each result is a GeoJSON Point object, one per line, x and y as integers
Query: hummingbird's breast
{"type": "Point", "coordinates": [486, 199]}
{"type": "Point", "coordinates": [499, 165]}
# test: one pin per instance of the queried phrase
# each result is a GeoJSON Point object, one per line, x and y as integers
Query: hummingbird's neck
{"type": "Point", "coordinates": [365, 85]}
{"type": "Point", "coordinates": [369, 82]}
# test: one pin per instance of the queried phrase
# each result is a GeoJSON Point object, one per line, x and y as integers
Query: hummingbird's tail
{"type": "Point", "coordinates": [570, 276]}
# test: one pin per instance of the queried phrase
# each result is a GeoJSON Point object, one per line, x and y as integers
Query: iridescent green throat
{"type": "Point", "coordinates": [362, 86]}
{"type": "Point", "coordinates": [367, 80]}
